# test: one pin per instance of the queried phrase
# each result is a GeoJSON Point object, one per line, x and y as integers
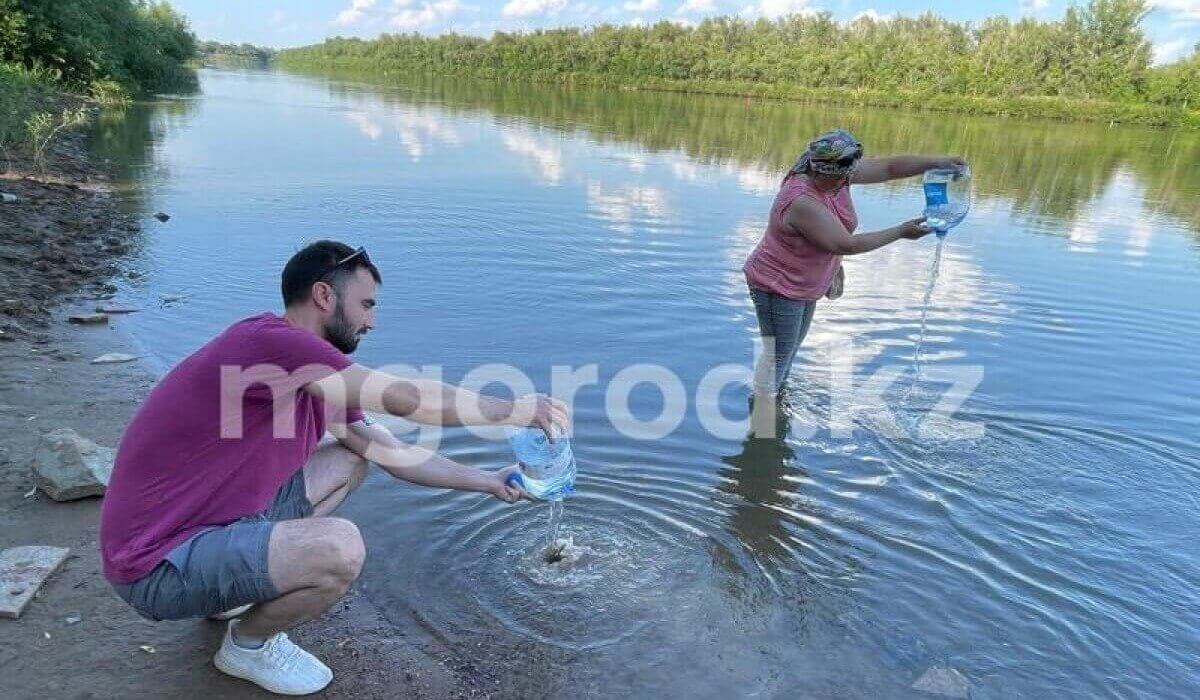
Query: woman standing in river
{"type": "Point", "coordinates": [811, 226]}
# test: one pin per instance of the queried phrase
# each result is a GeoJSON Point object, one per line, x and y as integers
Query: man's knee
{"type": "Point", "coordinates": [358, 471]}
{"type": "Point", "coordinates": [339, 553]}
{"type": "Point", "coordinates": [353, 465]}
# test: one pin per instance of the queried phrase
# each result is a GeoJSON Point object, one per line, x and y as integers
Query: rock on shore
{"type": "Point", "coordinates": [68, 467]}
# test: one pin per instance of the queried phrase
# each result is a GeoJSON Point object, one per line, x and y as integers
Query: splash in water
{"type": "Point", "coordinates": [554, 546]}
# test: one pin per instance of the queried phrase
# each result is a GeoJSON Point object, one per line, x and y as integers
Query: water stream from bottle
{"type": "Point", "coordinates": [554, 547]}
{"type": "Point", "coordinates": [933, 277]}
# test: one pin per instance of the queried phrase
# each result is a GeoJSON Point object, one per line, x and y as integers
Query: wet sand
{"type": "Point", "coordinates": [62, 242]}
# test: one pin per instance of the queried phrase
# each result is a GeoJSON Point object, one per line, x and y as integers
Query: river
{"type": "Point", "coordinates": [1039, 537]}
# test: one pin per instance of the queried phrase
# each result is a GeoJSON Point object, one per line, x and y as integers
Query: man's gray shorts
{"type": "Point", "coordinates": [218, 569]}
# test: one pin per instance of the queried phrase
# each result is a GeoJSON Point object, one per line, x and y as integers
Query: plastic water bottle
{"type": "Point", "coordinates": [947, 198]}
{"type": "Point", "coordinates": [547, 468]}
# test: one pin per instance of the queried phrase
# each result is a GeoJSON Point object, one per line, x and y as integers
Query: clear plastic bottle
{"type": "Point", "coordinates": [947, 197]}
{"type": "Point", "coordinates": [547, 468]}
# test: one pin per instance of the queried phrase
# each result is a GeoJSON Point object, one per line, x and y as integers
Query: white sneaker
{"type": "Point", "coordinates": [230, 614]}
{"type": "Point", "coordinates": [279, 665]}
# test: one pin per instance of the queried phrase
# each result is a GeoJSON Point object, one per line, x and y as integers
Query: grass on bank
{"type": "Point", "coordinates": [56, 57]}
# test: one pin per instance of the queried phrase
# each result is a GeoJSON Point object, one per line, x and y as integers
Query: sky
{"type": "Point", "coordinates": [1173, 26]}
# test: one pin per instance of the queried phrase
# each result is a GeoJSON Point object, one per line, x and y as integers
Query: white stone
{"type": "Point", "coordinates": [68, 467]}
{"type": "Point", "coordinates": [113, 357]}
{"type": "Point", "coordinates": [23, 570]}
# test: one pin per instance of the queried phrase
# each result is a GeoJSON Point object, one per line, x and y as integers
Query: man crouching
{"type": "Point", "coordinates": [222, 493]}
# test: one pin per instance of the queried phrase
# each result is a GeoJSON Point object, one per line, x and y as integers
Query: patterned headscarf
{"type": "Point", "coordinates": [824, 153]}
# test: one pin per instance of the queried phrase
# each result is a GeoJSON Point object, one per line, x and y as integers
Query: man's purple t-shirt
{"type": "Point", "coordinates": [182, 466]}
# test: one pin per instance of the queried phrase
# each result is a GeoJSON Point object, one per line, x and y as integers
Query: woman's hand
{"type": "Point", "coordinates": [914, 228]}
{"type": "Point", "coordinates": [541, 411]}
{"type": "Point", "coordinates": [949, 163]}
{"type": "Point", "coordinates": [500, 488]}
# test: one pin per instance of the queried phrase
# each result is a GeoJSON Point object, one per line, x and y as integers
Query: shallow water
{"type": "Point", "coordinates": [1043, 537]}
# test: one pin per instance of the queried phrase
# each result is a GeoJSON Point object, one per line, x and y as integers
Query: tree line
{"type": "Point", "coordinates": [215, 50]}
{"type": "Point", "coordinates": [1096, 53]}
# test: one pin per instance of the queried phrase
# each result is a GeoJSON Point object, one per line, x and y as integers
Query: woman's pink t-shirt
{"type": "Point", "coordinates": [787, 264]}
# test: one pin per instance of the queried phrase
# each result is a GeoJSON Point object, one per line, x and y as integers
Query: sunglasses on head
{"type": "Point", "coordinates": [844, 161]}
{"type": "Point", "coordinates": [360, 253]}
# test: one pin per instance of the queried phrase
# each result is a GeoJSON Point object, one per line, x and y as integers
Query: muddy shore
{"type": "Point", "coordinates": [61, 242]}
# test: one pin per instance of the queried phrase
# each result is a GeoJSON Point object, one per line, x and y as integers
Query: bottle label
{"type": "Point", "coordinates": [935, 194]}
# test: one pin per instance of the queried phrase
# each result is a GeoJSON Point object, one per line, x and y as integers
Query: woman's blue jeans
{"type": "Point", "coordinates": [783, 324]}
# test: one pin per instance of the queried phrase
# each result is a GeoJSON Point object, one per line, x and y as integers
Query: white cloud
{"type": "Point", "coordinates": [1029, 7]}
{"type": "Point", "coordinates": [778, 8]}
{"type": "Point", "coordinates": [549, 160]}
{"type": "Point", "coordinates": [683, 168]}
{"type": "Point", "coordinates": [1188, 9]}
{"type": "Point", "coordinates": [531, 8]}
{"type": "Point", "coordinates": [695, 6]}
{"type": "Point", "coordinates": [753, 179]}
{"type": "Point", "coordinates": [874, 15]}
{"type": "Point", "coordinates": [366, 125]}
{"type": "Point", "coordinates": [408, 15]}
{"type": "Point", "coordinates": [585, 9]}
{"type": "Point", "coordinates": [636, 22]}
{"type": "Point", "coordinates": [352, 14]}
{"type": "Point", "coordinates": [1169, 51]}
{"type": "Point", "coordinates": [634, 159]}
{"type": "Point", "coordinates": [278, 17]}
{"type": "Point", "coordinates": [641, 5]}
{"type": "Point", "coordinates": [420, 130]}
{"type": "Point", "coordinates": [628, 208]}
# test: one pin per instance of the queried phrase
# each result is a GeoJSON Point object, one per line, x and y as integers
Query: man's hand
{"type": "Point", "coordinates": [541, 411]}
{"type": "Point", "coordinates": [501, 489]}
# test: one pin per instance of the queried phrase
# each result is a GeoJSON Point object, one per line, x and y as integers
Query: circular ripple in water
{"type": "Point", "coordinates": [627, 566]}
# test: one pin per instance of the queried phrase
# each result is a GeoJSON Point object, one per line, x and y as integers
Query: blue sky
{"type": "Point", "coordinates": [1173, 26]}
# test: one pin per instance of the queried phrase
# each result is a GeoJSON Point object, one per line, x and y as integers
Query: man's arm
{"type": "Point", "coordinates": [435, 403]}
{"type": "Point", "coordinates": [872, 170]}
{"type": "Point", "coordinates": [418, 465]}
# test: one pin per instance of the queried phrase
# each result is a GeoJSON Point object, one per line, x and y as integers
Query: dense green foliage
{"type": "Point", "coordinates": [1177, 84]}
{"type": "Point", "coordinates": [1094, 54]}
{"type": "Point", "coordinates": [249, 53]}
{"type": "Point", "coordinates": [140, 45]}
{"type": "Point", "coordinates": [103, 49]}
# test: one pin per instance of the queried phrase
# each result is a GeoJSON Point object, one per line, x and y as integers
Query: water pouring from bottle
{"type": "Point", "coordinates": [547, 474]}
{"type": "Point", "coordinates": [947, 202]}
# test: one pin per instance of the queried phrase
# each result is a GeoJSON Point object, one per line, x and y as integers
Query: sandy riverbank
{"type": "Point", "coordinates": [63, 240]}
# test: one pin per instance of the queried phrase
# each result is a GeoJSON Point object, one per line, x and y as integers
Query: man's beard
{"type": "Point", "coordinates": [340, 333]}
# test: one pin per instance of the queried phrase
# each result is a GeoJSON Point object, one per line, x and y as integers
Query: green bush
{"type": "Point", "coordinates": [19, 90]}
{"type": "Point", "coordinates": [1177, 84]}
{"type": "Point", "coordinates": [141, 45]}
{"type": "Point", "coordinates": [103, 50]}
{"type": "Point", "coordinates": [1094, 63]}
{"type": "Point", "coordinates": [108, 93]}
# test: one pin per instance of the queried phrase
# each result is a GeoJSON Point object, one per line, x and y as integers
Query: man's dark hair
{"type": "Point", "coordinates": [316, 263]}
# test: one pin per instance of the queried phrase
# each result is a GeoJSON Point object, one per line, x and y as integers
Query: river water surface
{"type": "Point", "coordinates": [1041, 540]}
